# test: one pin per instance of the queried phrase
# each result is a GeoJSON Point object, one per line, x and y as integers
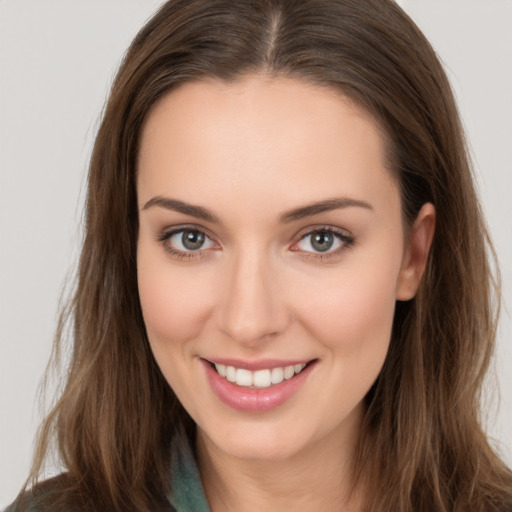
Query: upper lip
{"type": "Point", "coordinates": [260, 364]}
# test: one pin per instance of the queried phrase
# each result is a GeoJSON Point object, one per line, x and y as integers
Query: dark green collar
{"type": "Point", "coordinates": [187, 493]}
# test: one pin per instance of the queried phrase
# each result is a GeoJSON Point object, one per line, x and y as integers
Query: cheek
{"type": "Point", "coordinates": [174, 306]}
{"type": "Point", "coordinates": [350, 310]}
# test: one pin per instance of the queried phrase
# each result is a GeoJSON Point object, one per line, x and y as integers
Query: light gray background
{"type": "Point", "coordinates": [57, 60]}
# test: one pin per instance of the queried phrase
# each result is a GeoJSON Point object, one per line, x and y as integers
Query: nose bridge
{"type": "Point", "coordinates": [251, 308]}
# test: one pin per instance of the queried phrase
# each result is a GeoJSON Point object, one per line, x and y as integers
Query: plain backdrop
{"type": "Point", "coordinates": [57, 61]}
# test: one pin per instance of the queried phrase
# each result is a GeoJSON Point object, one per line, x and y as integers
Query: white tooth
{"type": "Point", "coordinates": [298, 368]}
{"type": "Point", "coordinates": [289, 371]}
{"type": "Point", "coordinates": [243, 377]}
{"type": "Point", "coordinates": [221, 369]}
{"type": "Point", "coordinates": [303, 365]}
{"type": "Point", "coordinates": [261, 379]}
{"type": "Point", "coordinates": [277, 375]}
{"type": "Point", "coordinates": [231, 373]}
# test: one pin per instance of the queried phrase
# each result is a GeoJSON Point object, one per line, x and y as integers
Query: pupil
{"type": "Point", "coordinates": [192, 240]}
{"type": "Point", "coordinates": [322, 241]}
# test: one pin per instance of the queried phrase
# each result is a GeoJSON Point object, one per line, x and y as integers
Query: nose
{"type": "Point", "coordinates": [252, 308]}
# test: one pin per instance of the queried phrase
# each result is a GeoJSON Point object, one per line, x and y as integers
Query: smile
{"type": "Point", "coordinates": [256, 386]}
{"type": "Point", "coordinates": [260, 378]}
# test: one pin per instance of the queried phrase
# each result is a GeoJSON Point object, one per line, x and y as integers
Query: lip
{"type": "Point", "coordinates": [262, 364]}
{"type": "Point", "coordinates": [250, 399]}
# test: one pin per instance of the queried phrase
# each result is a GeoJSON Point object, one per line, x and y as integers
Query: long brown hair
{"type": "Point", "coordinates": [421, 439]}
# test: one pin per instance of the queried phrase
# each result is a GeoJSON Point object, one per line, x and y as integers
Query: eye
{"type": "Point", "coordinates": [186, 241]}
{"type": "Point", "coordinates": [323, 241]}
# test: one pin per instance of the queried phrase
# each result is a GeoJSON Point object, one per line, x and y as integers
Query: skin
{"type": "Point", "coordinates": [248, 152]}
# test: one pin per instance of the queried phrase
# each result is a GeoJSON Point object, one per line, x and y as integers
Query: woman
{"type": "Point", "coordinates": [284, 298]}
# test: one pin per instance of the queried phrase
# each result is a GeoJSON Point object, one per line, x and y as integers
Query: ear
{"type": "Point", "coordinates": [416, 253]}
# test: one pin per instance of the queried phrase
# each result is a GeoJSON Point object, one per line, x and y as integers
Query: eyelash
{"type": "Point", "coordinates": [346, 241]}
{"type": "Point", "coordinates": [183, 255]}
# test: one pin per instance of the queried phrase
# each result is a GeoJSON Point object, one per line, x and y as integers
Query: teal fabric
{"type": "Point", "coordinates": [187, 489]}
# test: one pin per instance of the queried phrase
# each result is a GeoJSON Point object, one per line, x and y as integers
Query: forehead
{"type": "Point", "coordinates": [272, 138]}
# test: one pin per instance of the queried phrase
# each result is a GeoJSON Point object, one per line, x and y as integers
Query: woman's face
{"type": "Point", "coordinates": [270, 245]}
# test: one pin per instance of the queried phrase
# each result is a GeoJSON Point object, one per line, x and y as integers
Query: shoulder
{"type": "Point", "coordinates": [57, 495]}
{"type": "Point", "coordinates": [49, 495]}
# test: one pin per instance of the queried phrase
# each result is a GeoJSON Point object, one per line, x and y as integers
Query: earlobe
{"type": "Point", "coordinates": [416, 253]}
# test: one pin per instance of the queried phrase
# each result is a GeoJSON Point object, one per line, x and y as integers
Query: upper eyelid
{"type": "Point", "coordinates": [322, 227]}
{"type": "Point", "coordinates": [167, 232]}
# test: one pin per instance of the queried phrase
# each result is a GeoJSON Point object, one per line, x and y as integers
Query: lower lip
{"type": "Point", "coordinates": [253, 399]}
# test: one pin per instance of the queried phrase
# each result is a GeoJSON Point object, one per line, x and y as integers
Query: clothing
{"type": "Point", "coordinates": [187, 490]}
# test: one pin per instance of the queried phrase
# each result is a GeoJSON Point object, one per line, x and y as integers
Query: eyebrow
{"type": "Point", "coordinates": [323, 206]}
{"type": "Point", "coordinates": [179, 206]}
{"type": "Point", "coordinates": [293, 215]}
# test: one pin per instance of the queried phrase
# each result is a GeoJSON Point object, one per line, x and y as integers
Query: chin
{"type": "Point", "coordinates": [258, 442]}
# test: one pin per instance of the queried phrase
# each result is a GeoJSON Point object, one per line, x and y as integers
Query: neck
{"type": "Point", "coordinates": [316, 478]}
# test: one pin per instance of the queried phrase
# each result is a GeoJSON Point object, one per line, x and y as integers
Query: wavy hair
{"type": "Point", "coordinates": [421, 440]}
